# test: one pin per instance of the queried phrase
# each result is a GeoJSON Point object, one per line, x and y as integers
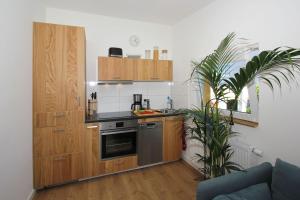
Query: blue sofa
{"type": "Point", "coordinates": [262, 182]}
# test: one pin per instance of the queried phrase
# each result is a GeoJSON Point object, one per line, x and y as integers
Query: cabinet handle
{"type": "Point", "coordinates": [60, 158]}
{"type": "Point", "coordinates": [154, 78]}
{"type": "Point", "coordinates": [61, 114]}
{"type": "Point", "coordinates": [90, 127]}
{"type": "Point", "coordinates": [59, 130]}
{"type": "Point", "coordinates": [78, 100]}
{"type": "Point", "coordinates": [117, 77]}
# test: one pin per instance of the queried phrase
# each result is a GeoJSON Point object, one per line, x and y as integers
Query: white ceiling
{"type": "Point", "coordinates": [158, 11]}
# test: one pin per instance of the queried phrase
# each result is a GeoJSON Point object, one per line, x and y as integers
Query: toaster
{"type": "Point", "coordinates": [115, 52]}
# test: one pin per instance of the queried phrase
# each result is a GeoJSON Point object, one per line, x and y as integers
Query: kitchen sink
{"type": "Point", "coordinates": [167, 111]}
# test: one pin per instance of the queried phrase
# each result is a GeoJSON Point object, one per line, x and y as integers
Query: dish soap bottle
{"type": "Point", "coordinates": [169, 102]}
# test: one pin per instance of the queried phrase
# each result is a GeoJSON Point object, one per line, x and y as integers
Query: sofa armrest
{"type": "Point", "coordinates": [233, 182]}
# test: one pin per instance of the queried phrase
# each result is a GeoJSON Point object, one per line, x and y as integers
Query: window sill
{"type": "Point", "coordinates": [245, 122]}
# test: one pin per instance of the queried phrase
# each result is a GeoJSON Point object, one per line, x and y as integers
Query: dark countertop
{"type": "Point", "coordinates": [126, 115]}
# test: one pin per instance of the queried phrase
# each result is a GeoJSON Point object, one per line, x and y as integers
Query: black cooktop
{"type": "Point", "coordinates": [110, 116]}
{"type": "Point", "coordinates": [116, 114]}
{"type": "Point", "coordinates": [113, 116]}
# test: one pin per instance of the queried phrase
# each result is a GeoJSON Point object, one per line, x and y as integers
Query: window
{"type": "Point", "coordinates": [247, 105]}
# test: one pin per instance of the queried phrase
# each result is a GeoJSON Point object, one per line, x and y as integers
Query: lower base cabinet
{"type": "Point", "coordinates": [120, 164]}
{"type": "Point", "coordinates": [58, 169]}
{"type": "Point", "coordinates": [85, 162]}
{"type": "Point", "coordinates": [172, 138]}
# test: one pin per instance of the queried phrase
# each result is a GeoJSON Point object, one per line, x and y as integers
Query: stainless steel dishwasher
{"type": "Point", "coordinates": [150, 141]}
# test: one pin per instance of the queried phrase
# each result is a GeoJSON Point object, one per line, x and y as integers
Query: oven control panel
{"type": "Point", "coordinates": [125, 124]}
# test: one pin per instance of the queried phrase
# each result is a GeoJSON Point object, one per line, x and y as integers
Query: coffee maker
{"type": "Point", "coordinates": [137, 102]}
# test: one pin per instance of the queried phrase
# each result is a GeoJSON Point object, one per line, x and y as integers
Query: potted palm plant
{"type": "Point", "coordinates": [208, 126]}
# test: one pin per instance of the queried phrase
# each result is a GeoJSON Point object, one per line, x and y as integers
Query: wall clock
{"type": "Point", "coordinates": [134, 40]}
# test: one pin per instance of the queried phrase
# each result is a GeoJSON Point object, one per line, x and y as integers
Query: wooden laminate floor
{"type": "Point", "coordinates": [173, 181]}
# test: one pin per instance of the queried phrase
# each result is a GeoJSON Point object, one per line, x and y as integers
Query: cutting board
{"type": "Point", "coordinates": [147, 113]}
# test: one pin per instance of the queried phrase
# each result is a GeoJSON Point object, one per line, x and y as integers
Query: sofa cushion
{"type": "Point", "coordinates": [258, 192]}
{"type": "Point", "coordinates": [285, 181]}
{"type": "Point", "coordinates": [233, 182]}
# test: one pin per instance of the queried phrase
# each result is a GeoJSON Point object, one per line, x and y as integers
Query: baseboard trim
{"type": "Point", "coordinates": [31, 195]}
{"type": "Point", "coordinates": [190, 165]}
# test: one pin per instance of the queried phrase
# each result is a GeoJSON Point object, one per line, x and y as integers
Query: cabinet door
{"type": "Point", "coordinates": [110, 68]}
{"type": "Point", "coordinates": [153, 70]}
{"type": "Point", "coordinates": [147, 70]}
{"type": "Point", "coordinates": [93, 165]}
{"type": "Point", "coordinates": [51, 119]}
{"type": "Point", "coordinates": [58, 169]}
{"type": "Point", "coordinates": [58, 67]}
{"type": "Point", "coordinates": [120, 164]}
{"type": "Point", "coordinates": [58, 140]}
{"type": "Point", "coordinates": [129, 66]}
{"type": "Point", "coordinates": [172, 140]}
{"type": "Point", "coordinates": [142, 70]}
{"type": "Point", "coordinates": [73, 68]}
{"type": "Point", "coordinates": [164, 70]}
{"type": "Point", "coordinates": [47, 67]}
{"type": "Point", "coordinates": [61, 169]}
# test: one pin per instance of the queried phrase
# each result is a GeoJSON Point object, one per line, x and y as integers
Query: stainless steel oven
{"type": "Point", "coordinates": [118, 138]}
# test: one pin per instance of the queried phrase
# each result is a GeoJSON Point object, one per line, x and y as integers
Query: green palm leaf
{"type": "Point", "coordinates": [214, 67]}
{"type": "Point", "coordinates": [208, 126]}
{"type": "Point", "coordinates": [269, 66]}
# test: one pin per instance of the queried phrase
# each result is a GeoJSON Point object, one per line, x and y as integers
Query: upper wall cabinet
{"type": "Point", "coordinates": [110, 68]}
{"type": "Point", "coordinates": [115, 69]}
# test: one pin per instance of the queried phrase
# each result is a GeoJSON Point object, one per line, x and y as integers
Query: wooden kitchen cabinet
{"type": "Point", "coordinates": [152, 70]}
{"type": "Point", "coordinates": [172, 138]}
{"type": "Point", "coordinates": [58, 169]}
{"type": "Point", "coordinates": [158, 70]}
{"type": "Point", "coordinates": [111, 68]}
{"type": "Point", "coordinates": [52, 119]}
{"type": "Point", "coordinates": [129, 67]}
{"type": "Point", "coordinates": [94, 166]}
{"type": "Point", "coordinates": [58, 140]}
{"type": "Point", "coordinates": [164, 70]}
{"type": "Point", "coordinates": [58, 103]}
{"type": "Point", "coordinates": [58, 68]}
{"type": "Point", "coordinates": [120, 164]}
{"type": "Point", "coordinates": [144, 70]}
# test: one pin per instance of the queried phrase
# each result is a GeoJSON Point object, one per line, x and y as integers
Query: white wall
{"type": "Point", "coordinates": [16, 99]}
{"type": "Point", "coordinates": [271, 23]}
{"type": "Point", "coordinates": [103, 32]}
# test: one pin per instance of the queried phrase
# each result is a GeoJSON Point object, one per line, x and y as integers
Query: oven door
{"type": "Point", "coordinates": [118, 143]}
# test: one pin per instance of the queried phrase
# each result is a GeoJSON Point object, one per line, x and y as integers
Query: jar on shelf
{"type": "Point", "coordinates": [155, 53]}
{"type": "Point", "coordinates": [147, 54]}
{"type": "Point", "coordinates": [164, 54]}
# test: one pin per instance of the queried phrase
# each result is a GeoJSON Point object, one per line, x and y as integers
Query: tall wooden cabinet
{"type": "Point", "coordinates": [58, 103]}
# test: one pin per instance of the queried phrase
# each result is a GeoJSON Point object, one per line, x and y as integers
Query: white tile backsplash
{"type": "Point", "coordinates": [179, 93]}
{"type": "Point", "coordinates": [108, 90]}
{"type": "Point", "coordinates": [114, 98]}
{"type": "Point", "coordinates": [108, 107]}
{"type": "Point", "coordinates": [108, 99]}
{"type": "Point", "coordinates": [160, 89]}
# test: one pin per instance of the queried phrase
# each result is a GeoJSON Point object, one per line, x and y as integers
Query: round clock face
{"type": "Point", "coordinates": [134, 40]}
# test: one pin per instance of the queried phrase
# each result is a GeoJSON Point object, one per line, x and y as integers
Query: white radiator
{"type": "Point", "coordinates": [244, 154]}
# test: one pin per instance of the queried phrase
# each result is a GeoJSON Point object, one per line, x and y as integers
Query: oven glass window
{"type": "Point", "coordinates": [118, 144]}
